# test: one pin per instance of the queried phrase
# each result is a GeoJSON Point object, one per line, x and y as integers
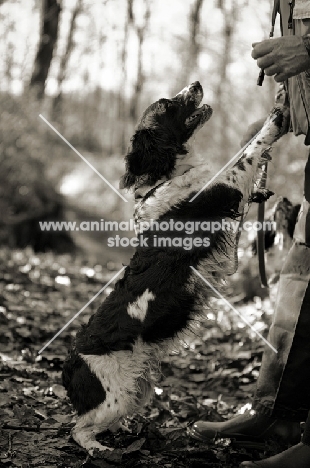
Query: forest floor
{"type": "Point", "coordinates": [210, 376]}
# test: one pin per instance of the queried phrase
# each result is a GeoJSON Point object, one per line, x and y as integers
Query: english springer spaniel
{"type": "Point", "coordinates": [111, 368]}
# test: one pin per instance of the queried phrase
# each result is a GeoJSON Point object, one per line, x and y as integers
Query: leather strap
{"type": "Point", "coordinates": [275, 11]}
{"type": "Point", "coordinates": [261, 234]}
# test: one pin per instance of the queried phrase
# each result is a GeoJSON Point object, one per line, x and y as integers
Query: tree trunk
{"type": "Point", "coordinates": [48, 37]}
{"type": "Point", "coordinates": [194, 31]}
{"type": "Point", "coordinates": [222, 90]}
{"type": "Point", "coordinates": [192, 47]}
{"type": "Point", "coordinates": [122, 107]}
{"type": "Point", "coordinates": [140, 30]}
{"type": "Point", "coordinates": [63, 67]}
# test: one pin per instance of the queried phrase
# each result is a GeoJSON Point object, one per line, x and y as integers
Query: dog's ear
{"type": "Point", "coordinates": [153, 155]}
{"type": "Point", "coordinates": [127, 180]}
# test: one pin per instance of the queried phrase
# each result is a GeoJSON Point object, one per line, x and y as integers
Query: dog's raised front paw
{"type": "Point", "coordinates": [260, 195]}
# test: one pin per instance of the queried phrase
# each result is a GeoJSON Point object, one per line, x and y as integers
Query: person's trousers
{"type": "Point", "coordinates": [283, 386]}
{"type": "Point", "coordinates": [306, 435]}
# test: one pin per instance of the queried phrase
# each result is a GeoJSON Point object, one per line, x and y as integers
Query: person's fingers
{"type": "Point", "coordinates": [266, 61]}
{"type": "Point", "coordinates": [279, 77]}
{"type": "Point", "coordinates": [262, 48]}
{"type": "Point", "coordinates": [245, 140]}
{"type": "Point", "coordinates": [272, 70]}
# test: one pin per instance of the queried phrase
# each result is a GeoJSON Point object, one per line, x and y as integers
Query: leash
{"type": "Point", "coordinates": [260, 241]}
{"type": "Point", "coordinates": [275, 11]}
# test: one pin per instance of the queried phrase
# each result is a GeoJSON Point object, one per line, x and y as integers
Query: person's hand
{"type": "Point", "coordinates": [281, 57]}
{"type": "Point", "coordinates": [251, 131]}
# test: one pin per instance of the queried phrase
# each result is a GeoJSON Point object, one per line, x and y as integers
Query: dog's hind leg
{"type": "Point", "coordinates": [100, 419]}
{"type": "Point", "coordinates": [144, 394]}
{"type": "Point", "coordinates": [127, 386]}
{"type": "Point", "coordinates": [108, 416]}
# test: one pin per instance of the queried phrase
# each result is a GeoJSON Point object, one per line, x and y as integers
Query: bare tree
{"type": "Point", "coordinates": [191, 47]}
{"type": "Point", "coordinates": [122, 108]}
{"type": "Point", "coordinates": [48, 36]}
{"type": "Point", "coordinates": [229, 11]}
{"type": "Point", "coordinates": [8, 57]}
{"type": "Point", "coordinates": [63, 66]}
{"type": "Point", "coordinates": [141, 30]}
{"type": "Point", "coordinates": [194, 28]}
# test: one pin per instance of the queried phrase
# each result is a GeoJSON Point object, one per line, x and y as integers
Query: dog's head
{"type": "Point", "coordinates": [165, 128]}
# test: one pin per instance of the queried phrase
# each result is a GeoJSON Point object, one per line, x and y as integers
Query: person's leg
{"type": "Point", "coordinates": [283, 384]}
{"type": "Point", "coordinates": [297, 456]}
{"type": "Point", "coordinates": [283, 393]}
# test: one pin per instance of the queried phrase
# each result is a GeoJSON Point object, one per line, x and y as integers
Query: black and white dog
{"type": "Point", "coordinates": [110, 370]}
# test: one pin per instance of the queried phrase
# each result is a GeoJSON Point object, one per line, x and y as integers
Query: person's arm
{"type": "Point", "coordinates": [282, 57]}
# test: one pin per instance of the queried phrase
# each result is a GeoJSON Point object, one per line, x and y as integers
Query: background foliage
{"type": "Point", "coordinates": [109, 60]}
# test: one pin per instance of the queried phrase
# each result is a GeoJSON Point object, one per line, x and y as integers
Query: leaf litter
{"type": "Point", "coordinates": [211, 376]}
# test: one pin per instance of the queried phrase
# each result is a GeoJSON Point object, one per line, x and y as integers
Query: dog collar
{"type": "Point", "coordinates": [146, 191]}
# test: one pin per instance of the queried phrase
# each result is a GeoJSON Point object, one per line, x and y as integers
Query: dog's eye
{"type": "Point", "coordinates": [161, 107]}
{"type": "Point", "coordinates": [168, 108]}
{"type": "Point", "coordinates": [167, 103]}
{"type": "Point", "coordinates": [171, 106]}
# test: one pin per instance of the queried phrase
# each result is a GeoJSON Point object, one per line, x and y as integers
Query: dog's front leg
{"type": "Point", "coordinates": [260, 195]}
{"type": "Point", "coordinates": [244, 174]}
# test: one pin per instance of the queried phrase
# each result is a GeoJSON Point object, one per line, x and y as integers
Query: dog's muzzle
{"type": "Point", "coordinates": [191, 93]}
{"type": "Point", "coordinates": [191, 96]}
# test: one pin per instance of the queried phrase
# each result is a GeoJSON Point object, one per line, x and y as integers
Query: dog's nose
{"type": "Point", "coordinates": [196, 85]}
{"type": "Point", "coordinates": [190, 91]}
